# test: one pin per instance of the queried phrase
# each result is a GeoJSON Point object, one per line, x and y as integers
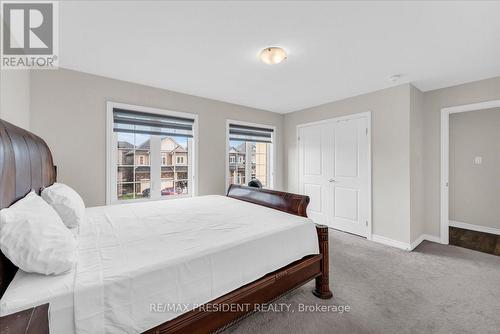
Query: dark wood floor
{"type": "Point", "coordinates": [479, 241]}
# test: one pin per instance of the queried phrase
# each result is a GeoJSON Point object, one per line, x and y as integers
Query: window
{"type": "Point", "coordinates": [150, 153]}
{"type": "Point", "coordinates": [249, 154]}
{"type": "Point", "coordinates": [175, 172]}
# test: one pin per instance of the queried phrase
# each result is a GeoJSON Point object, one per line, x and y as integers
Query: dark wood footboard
{"type": "Point", "coordinates": [267, 288]}
{"type": "Point", "coordinates": [248, 298]}
{"type": "Point", "coordinates": [243, 301]}
{"type": "Point", "coordinates": [322, 289]}
{"type": "Point", "coordinates": [296, 205]}
{"type": "Point", "coordinates": [279, 200]}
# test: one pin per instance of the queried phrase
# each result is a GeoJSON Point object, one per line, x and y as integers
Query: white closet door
{"type": "Point", "coordinates": [315, 162]}
{"type": "Point", "coordinates": [349, 181]}
{"type": "Point", "coordinates": [333, 172]}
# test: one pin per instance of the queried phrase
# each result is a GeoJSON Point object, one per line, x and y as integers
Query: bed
{"type": "Point", "coordinates": [160, 267]}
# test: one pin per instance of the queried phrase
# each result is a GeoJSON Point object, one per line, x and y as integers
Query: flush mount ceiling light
{"type": "Point", "coordinates": [272, 55]}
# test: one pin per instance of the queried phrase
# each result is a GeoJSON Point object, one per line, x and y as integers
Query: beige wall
{"type": "Point", "coordinates": [15, 97]}
{"type": "Point", "coordinates": [405, 137]}
{"type": "Point", "coordinates": [478, 91]}
{"type": "Point", "coordinates": [475, 189]}
{"type": "Point", "coordinates": [68, 110]}
{"type": "Point", "coordinates": [390, 153]}
{"type": "Point", "coordinates": [417, 226]}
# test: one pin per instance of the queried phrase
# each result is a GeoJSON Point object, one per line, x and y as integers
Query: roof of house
{"type": "Point", "coordinates": [147, 144]}
{"type": "Point", "coordinates": [124, 144]}
{"type": "Point", "coordinates": [241, 148]}
{"type": "Point", "coordinates": [238, 149]}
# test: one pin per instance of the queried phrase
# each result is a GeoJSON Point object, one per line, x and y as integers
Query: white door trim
{"type": "Point", "coordinates": [368, 116]}
{"type": "Point", "coordinates": [445, 157]}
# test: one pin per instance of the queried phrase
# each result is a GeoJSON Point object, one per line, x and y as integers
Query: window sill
{"type": "Point", "coordinates": [144, 200]}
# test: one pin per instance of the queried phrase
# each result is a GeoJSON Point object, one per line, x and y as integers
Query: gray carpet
{"type": "Point", "coordinates": [434, 289]}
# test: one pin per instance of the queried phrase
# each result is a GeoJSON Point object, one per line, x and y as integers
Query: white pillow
{"type": "Point", "coordinates": [67, 203]}
{"type": "Point", "coordinates": [35, 239]}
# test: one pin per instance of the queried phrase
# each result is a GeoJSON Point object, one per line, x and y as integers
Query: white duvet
{"type": "Point", "coordinates": [187, 251]}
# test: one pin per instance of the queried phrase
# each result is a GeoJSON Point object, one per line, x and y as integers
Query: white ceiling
{"type": "Point", "coordinates": [336, 49]}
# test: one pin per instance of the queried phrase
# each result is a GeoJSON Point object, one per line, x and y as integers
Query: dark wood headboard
{"type": "Point", "coordinates": [25, 165]}
{"type": "Point", "coordinates": [279, 200]}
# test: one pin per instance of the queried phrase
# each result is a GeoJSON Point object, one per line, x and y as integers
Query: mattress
{"type": "Point", "coordinates": [142, 264]}
{"type": "Point", "coordinates": [28, 290]}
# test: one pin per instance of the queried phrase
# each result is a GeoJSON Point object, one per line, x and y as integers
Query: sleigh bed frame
{"type": "Point", "coordinates": [26, 164]}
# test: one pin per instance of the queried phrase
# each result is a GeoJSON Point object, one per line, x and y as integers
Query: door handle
{"type": "Point", "coordinates": [331, 180]}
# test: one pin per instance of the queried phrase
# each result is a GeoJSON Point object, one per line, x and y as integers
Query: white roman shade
{"type": "Point", "coordinates": [130, 121]}
{"type": "Point", "coordinates": [250, 133]}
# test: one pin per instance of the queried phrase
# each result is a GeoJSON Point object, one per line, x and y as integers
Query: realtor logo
{"type": "Point", "coordinates": [29, 37]}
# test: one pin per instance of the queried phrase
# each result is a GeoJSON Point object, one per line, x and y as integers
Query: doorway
{"type": "Point", "coordinates": [334, 164]}
{"type": "Point", "coordinates": [475, 163]}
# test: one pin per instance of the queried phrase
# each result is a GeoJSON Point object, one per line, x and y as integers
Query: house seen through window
{"type": "Point", "coordinates": [250, 154]}
{"type": "Point", "coordinates": [153, 155]}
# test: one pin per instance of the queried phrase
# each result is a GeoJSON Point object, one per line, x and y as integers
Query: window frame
{"type": "Point", "coordinates": [272, 151]}
{"type": "Point", "coordinates": [112, 163]}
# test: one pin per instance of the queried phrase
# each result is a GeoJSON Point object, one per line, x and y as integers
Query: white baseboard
{"type": "Point", "coordinates": [423, 237]}
{"type": "Point", "coordinates": [403, 245]}
{"type": "Point", "coordinates": [391, 242]}
{"type": "Point", "coordinates": [417, 242]}
{"type": "Point", "coordinates": [432, 238]}
{"type": "Point", "coordinates": [472, 227]}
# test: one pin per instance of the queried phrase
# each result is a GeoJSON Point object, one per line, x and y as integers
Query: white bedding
{"type": "Point", "coordinates": [186, 251]}
{"type": "Point", "coordinates": [29, 289]}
